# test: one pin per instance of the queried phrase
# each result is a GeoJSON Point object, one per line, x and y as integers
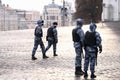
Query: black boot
{"type": "Point", "coordinates": [78, 71]}
{"type": "Point", "coordinates": [93, 75]}
{"type": "Point", "coordinates": [34, 58]}
{"type": "Point", "coordinates": [45, 57]}
{"type": "Point", "coordinates": [81, 72]}
{"type": "Point", "coordinates": [85, 74]}
{"type": "Point", "coordinates": [55, 53]}
{"type": "Point", "coordinates": [44, 54]}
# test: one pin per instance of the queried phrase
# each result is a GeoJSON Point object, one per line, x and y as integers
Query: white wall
{"type": "Point", "coordinates": [119, 8]}
{"type": "Point", "coordinates": [106, 12]}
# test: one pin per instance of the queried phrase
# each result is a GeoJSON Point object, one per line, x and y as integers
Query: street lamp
{"type": "Point", "coordinates": [4, 16]}
{"type": "Point", "coordinates": [53, 16]}
{"type": "Point", "coordinates": [64, 12]}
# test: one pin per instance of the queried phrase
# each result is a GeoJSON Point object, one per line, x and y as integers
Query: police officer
{"type": "Point", "coordinates": [78, 39]}
{"type": "Point", "coordinates": [38, 40]}
{"type": "Point", "coordinates": [92, 43]}
{"type": "Point", "coordinates": [52, 38]}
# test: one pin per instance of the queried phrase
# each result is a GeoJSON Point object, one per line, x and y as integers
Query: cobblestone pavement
{"type": "Point", "coordinates": [16, 63]}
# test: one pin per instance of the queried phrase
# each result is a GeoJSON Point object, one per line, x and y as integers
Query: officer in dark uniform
{"type": "Point", "coordinates": [92, 44]}
{"type": "Point", "coordinates": [52, 38]}
{"type": "Point", "coordinates": [78, 39]}
{"type": "Point", "coordinates": [38, 40]}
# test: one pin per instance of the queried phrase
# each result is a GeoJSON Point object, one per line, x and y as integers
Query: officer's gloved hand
{"type": "Point", "coordinates": [85, 46]}
{"type": "Point", "coordinates": [56, 41]}
{"type": "Point", "coordinates": [100, 50]}
{"type": "Point", "coordinates": [46, 38]}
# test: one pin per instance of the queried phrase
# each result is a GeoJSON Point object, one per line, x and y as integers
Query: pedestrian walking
{"type": "Point", "coordinates": [78, 39]}
{"type": "Point", "coordinates": [52, 38]}
{"type": "Point", "coordinates": [38, 40]}
{"type": "Point", "coordinates": [92, 46]}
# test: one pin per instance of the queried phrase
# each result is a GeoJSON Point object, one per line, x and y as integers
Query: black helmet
{"type": "Point", "coordinates": [40, 22]}
{"type": "Point", "coordinates": [55, 23]}
{"type": "Point", "coordinates": [79, 21]}
{"type": "Point", "coordinates": [93, 26]}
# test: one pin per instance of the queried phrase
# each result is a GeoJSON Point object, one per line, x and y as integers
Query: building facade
{"type": "Point", "coordinates": [8, 18]}
{"type": "Point", "coordinates": [14, 19]}
{"type": "Point", "coordinates": [53, 12]}
{"type": "Point", "coordinates": [111, 10]}
{"type": "Point", "coordinates": [32, 17]}
{"type": "Point", "coordinates": [27, 19]}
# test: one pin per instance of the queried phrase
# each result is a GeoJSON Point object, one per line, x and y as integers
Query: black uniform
{"type": "Point", "coordinates": [52, 39]}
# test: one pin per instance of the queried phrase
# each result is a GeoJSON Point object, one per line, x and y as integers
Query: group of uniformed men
{"type": "Point", "coordinates": [51, 38]}
{"type": "Point", "coordinates": [90, 42]}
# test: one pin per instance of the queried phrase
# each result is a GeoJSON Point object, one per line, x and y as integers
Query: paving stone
{"type": "Point", "coordinates": [16, 64]}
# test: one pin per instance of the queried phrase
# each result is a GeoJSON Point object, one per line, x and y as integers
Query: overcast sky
{"type": "Point", "coordinates": [31, 4]}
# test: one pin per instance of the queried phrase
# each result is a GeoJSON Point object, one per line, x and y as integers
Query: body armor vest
{"type": "Point", "coordinates": [90, 38]}
{"type": "Point", "coordinates": [50, 32]}
{"type": "Point", "coordinates": [38, 32]}
{"type": "Point", "coordinates": [75, 36]}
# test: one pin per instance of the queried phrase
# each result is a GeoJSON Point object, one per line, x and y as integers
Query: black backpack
{"type": "Point", "coordinates": [38, 32]}
{"type": "Point", "coordinates": [75, 36]}
{"type": "Point", "coordinates": [50, 32]}
{"type": "Point", "coordinates": [90, 38]}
